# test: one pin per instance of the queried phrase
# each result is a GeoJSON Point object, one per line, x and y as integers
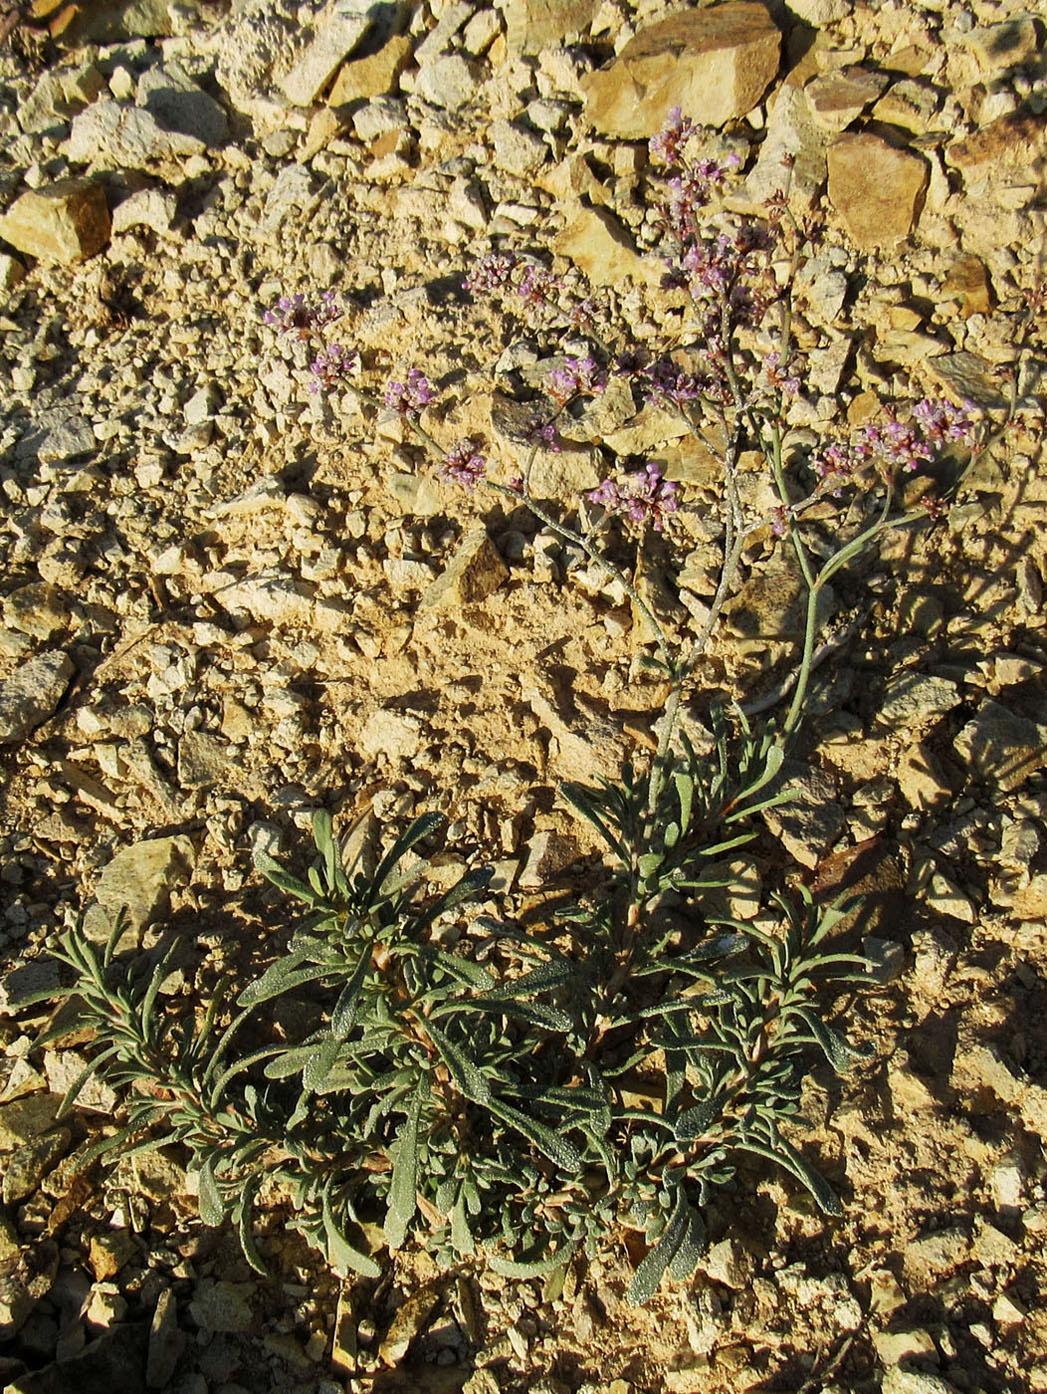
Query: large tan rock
{"type": "Point", "coordinates": [1009, 145]}
{"type": "Point", "coordinates": [64, 222]}
{"type": "Point", "coordinates": [715, 64]}
{"type": "Point", "coordinates": [877, 190]}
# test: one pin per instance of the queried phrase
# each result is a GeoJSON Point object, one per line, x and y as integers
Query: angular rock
{"type": "Point", "coordinates": [472, 574]}
{"type": "Point", "coordinates": [114, 1361]}
{"type": "Point", "coordinates": [27, 1165]}
{"type": "Point", "coordinates": [24, 1119]}
{"type": "Point", "coordinates": [449, 81]}
{"type": "Point", "coordinates": [1006, 46]}
{"type": "Point", "coordinates": [810, 823]}
{"type": "Point", "coordinates": [113, 135]}
{"type": "Point", "coordinates": [181, 105]}
{"type": "Point", "coordinates": [913, 698]}
{"type": "Point", "coordinates": [165, 1342]}
{"type": "Point", "coordinates": [966, 378]}
{"type": "Point", "coordinates": [63, 222]}
{"type": "Point", "coordinates": [877, 190]}
{"type": "Point", "coordinates": [331, 45]}
{"type": "Point", "coordinates": [222, 1306]}
{"type": "Point", "coordinates": [39, 609]}
{"type": "Point", "coordinates": [12, 272]}
{"type": "Point", "coordinates": [714, 63]}
{"type": "Point", "coordinates": [373, 76]}
{"type": "Point", "coordinates": [1002, 747]}
{"type": "Point", "coordinates": [151, 208]}
{"type": "Point", "coordinates": [31, 695]}
{"type": "Point", "coordinates": [838, 98]}
{"type": "Point", "coordinates": [139, 879]}
{"type": "Point", "coordinates": [1009, 145]}
{"type": "Point", "coordinates": [791, 131]}
{"type": "Point", "coordinates": [393, 734]}
{"type": "Point", "coordinates": [531, 25]}
{"type": "Point", "coordinates": [910, 104]}
{"type": "Point", "coordinates": [64, 1067]}
{"type": "Point", "coordinates": [516, 149]}
{"type": "Point", "coordinates": [547, 855]}
{"type": "Point", "coordinates": [600, 246]}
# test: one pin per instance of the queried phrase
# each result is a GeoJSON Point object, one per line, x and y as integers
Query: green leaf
{"type": "Point", "coordinates": [346, 1009]}
{"type": "Point", "coordinates": [549, 1142]}
{"type": "Point", "coordinates": [85, 1074]}
{"type": "Point", "coordinates": [461, 1235]}
{"type": "Point", "coordinates": [323, 836]}
{"type": "Point", "coordinates": [696, 1122]}
{"type": "Point", "coordinates": [685, 793]}
{"type": "Point", "coordinates": [212, 1207]}
{"type": "Point", "coordinates": [588, 804]}
{"type": "Point", "coordinates": [274, 872]}
{"type": "Point", "coordinates": [797, 1165]}
{"type": "Point", "coordinates": [403, 1193]}
{"type": "Point", "coordinates": [318, 1067]}
{"type": "Point", "coordinates": [692, 1246]}
{"type": "Point", "coordinates": [655, 1265]}
{"type": "Point", "coordinates": [243, 1215]}
{"type": "Point", "coordinates": [834, 1047]}
{"type": "Point", "coordinates": [554, 973]}
{"type": "Point", "coordinates": [282, 976]}
{"type": "Point", "coordinates": [293, 1060]}
{"type": "Point", "coordinates": [468, 1080]}
{"type": "Point", "coordinates": [418, 831]}
{"type": "Point", "coordinates": [342, 1255]}
{"type": "Point", "coordinates": [537, 1013]}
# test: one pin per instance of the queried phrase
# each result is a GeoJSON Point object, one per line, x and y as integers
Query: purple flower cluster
{"type": "Point", "coordinates": [463, 464]}
{"type": "Point", "coordinates": [543, 432]}
{"type": "Point", "coordinates": [642, 498]}
{"type": "Point", "coordinates": [899, 445]}
{"type": "Point", "coordinates": [778, 379]}
{"type": "Point", "coordinates": [668, 144]}
{"type": "Point", "coordinates": [298, 317]}
{"type": "Point", "coordinates": [492, 272]}
{"type": "Point", "coordinates": [410, 397]}
{"type": "Point", "coordinates": [577, 376]}
{"type": "Point", "coordinates": [332, 365]}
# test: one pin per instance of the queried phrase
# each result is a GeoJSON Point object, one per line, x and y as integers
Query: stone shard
{"type": "Point", "coordinates": [180, 104]}
{"type": "Point", "coordinates": [323, 56]}
{"type": "Point", "coordinates": [1012, 145]}
{"type": "Point", "coordinates": [791, 131]}
{"type": "Point", "coordinates": [139, 880]}
{"type": "Point", "coordinates": [877, 190]}
{"type": "Point", "coordinates": [599, 245]}
{"type": "Point", "coordinates": [63, 222]}
{"type": "Point", "coordinates": [472, 574]}
{"type": "Point", "coordinates": [31, 695]}
{"type": "Point", "coordinates": [532, 25]}
{"type": "Point", "coordinates": [373, 76]}
{"type": "Point", "coordinates": [838, 98]}
{"type": "Point", "coordinates": [715, 64]}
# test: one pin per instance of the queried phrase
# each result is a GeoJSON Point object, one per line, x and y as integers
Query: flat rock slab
{"type": "Point", "coordinates": [877, 190]}
{"type": "Point", "coordinates": [531, 25]}
{"type": "Point", "coordinates": [1002, 747]}
{"type": "Point", "coordinates": [139, 880]}
{"type": "Point", "coordinates": [715, 64]}
{"type": "Point", "coordinates": [63, 222]}
{"type": "Point", "coordinates": [32, 694]}
{"type": "Point", "coordinates": [113, 135]}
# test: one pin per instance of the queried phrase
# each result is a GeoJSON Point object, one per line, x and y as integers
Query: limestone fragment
{"type": "Point", "coordinates": [838, 98]}
{"type": "Point", "coordinates": [373, 76]}
{"type": "Point", "coordinates": [599, 245]}
{"type": "Point", "coordinates": [63, 222]}
{"type": "Point", "coordinates": [1001, 746]}
{"type": "Point", "coordinates": [139, 880]}
{"type": "Point", "coordinates": [793, 132]}
{"type": "Point", "coordinates": [715, 64]}
{"type": "Point", "coordinates": [877, 190]}
{"type": "Point", "coordinates": [532, 25]}
{"type": "Point", "coordinates": [332, 44]}
{"type": "Point", "coordinates": [1008, 146]}
{"type": "Point", "coordinates": [472, 574]}
{"type": "Point", "coordinates": [113, 135]}
{"type": "Point", "coordinates": [32, 693]}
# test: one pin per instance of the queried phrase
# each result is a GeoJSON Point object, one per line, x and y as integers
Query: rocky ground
{"type": "Point", "coordinates": [222, 610]}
